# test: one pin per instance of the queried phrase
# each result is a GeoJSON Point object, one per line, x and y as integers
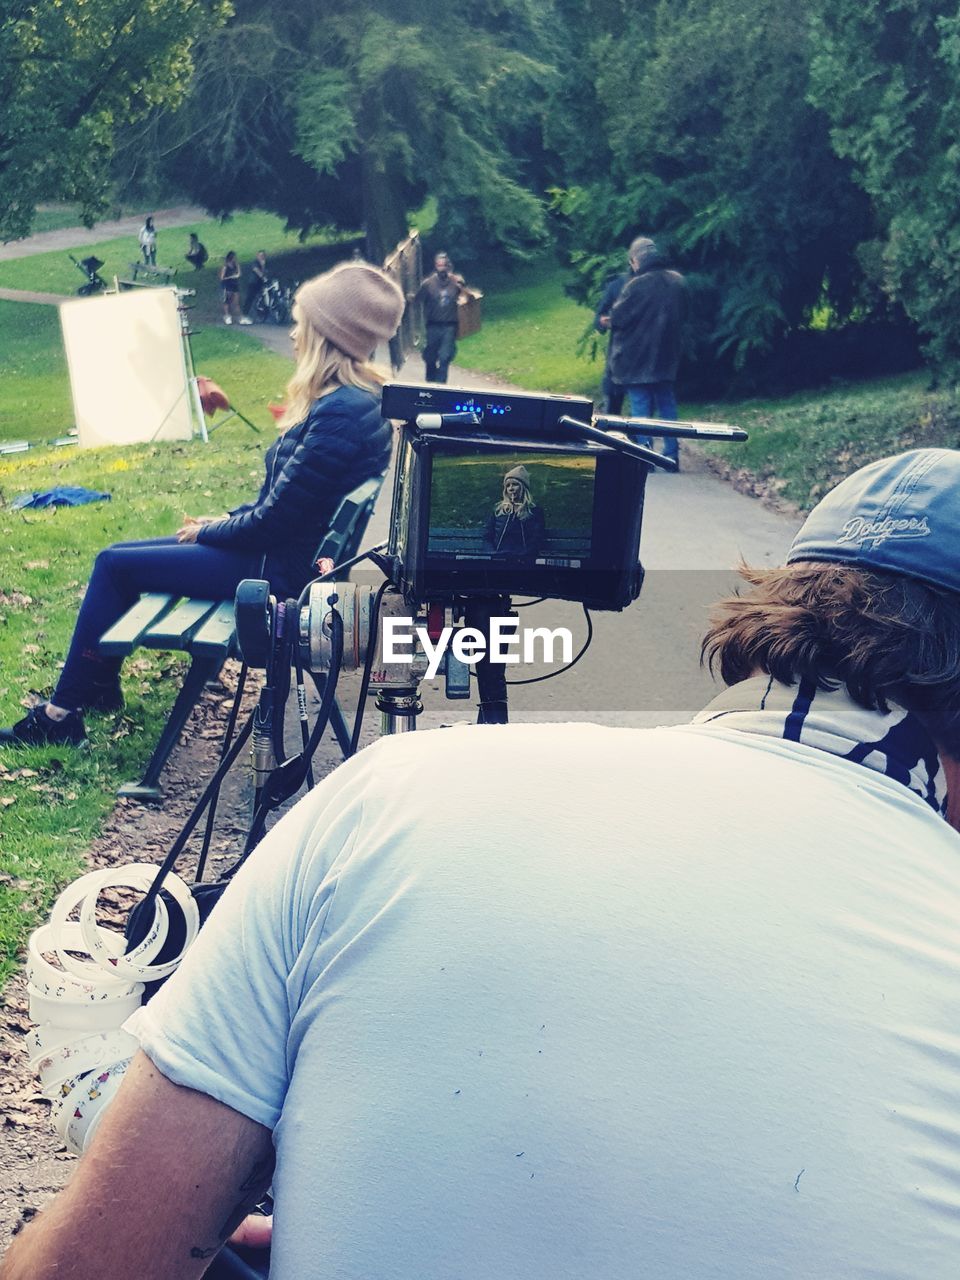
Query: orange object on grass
{"type": "Point", "coordinates": [212, 397]}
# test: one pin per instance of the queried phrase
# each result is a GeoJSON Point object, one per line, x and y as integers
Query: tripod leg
{"type": "Point", "coordinates": [491, 676]}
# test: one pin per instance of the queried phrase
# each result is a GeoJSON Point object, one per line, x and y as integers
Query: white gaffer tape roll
{"type": "Point", "coordinates": [75, 1059]}
{"type": "Point", "coordinates": [108, 948]}
{"type": "Point", "coordinates": [80, 1110]}
{"type": "Point", "coordinates": [50, 980]}
{"type": "Point", "coordinates": [83, 1016]}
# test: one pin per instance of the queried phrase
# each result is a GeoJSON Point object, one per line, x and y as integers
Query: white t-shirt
{"type": "Point", "coordinates": [549, 1001]}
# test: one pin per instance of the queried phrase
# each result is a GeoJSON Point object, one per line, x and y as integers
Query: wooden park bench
{"type": "Point", "coordinates": [205, 629]}
{"type": "Point", "coordinates": [558, 543]}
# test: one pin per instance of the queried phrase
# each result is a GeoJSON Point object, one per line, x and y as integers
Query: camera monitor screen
{"type": "Point", "coordinates": [514, 508]}
{"type": "Point", "coordinates": [479, 516]}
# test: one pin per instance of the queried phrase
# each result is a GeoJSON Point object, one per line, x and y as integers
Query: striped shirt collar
{"type": "Point", "coordinates": [893, 743]}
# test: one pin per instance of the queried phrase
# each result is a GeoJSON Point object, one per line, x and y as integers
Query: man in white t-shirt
{"type": "Point", "coordinates": [500, 1011]}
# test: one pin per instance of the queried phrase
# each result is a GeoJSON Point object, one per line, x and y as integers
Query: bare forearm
{"type": "Point", "coordinates": [169, 1177]}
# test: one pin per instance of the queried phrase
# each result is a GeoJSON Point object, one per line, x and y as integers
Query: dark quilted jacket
{"type": "Point", "coordinates": [342, 442]}
{"type": "Point", "coordinates": [645, 325]}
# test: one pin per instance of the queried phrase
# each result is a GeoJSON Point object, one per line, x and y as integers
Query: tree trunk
{"type": "Point", "coordinates": [384, 207]}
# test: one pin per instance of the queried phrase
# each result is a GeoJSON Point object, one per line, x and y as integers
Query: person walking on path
{"type": "Point", "coordinates": [148, 243]}
{"type": "Point", "coordinates": [332, 438]}
{"type": "Point", "coordinates": [613, 393]}
{"type": "Point", "coordinates": [230, 284]}
{"type": "Point", "coordinates": [645, 324]}
{"type": "Point", "coordinates": [440, 293]}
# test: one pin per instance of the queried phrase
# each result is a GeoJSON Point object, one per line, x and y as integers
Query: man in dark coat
{"type": "Point", "coordinates": [440, 293]}
{"type": "Point", "coordinates": [645, 326]}
{"type": "Point", "coordinates": [613, 393]}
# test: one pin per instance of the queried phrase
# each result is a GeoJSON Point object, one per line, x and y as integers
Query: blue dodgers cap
{"type": "Point", "coordinates": [898, 515]}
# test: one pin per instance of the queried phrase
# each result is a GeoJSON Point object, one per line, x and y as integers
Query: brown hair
{"type": "Point", "coordinates": [886, 637]}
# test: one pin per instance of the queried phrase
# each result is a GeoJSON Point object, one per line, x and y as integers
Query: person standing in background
{"type": "Point", "coordinates": [613, 393]}
{"type": "Point", "coordinates": [148, 243]}
{"type": "Point", "coordinates": [230, 283]}
{"type": "Point", "coordinates": [645, 324]}
{"type": "Point", "coordinates": [439, 293]}
{"type": "Point", "coordinates": [258, 278]}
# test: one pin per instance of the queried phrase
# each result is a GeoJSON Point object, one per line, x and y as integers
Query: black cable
{"type": "Point", "coordinates": [573, 661]}
{"type": "Point", "coordinates": [214, 799]}
{"type": "Point", "coordinates": [288, 779]}
{"type": "Point", "coordinates": [367, 669]}
{"type": "Point", "coordinates": [187, 829]}
{"type": "Point", "coordinates": [302, 713]}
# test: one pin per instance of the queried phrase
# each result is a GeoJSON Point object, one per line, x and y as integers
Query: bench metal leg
{"type": "Point", "coordinates": [147, 789]}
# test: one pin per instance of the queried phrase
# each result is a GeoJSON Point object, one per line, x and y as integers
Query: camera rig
{"type": "Point", "coordinates": [496, 495]}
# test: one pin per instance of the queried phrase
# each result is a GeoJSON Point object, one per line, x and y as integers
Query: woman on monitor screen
{"type": "Point", "coordinates": [517, 526]}
{"type": "Point", "coordinates": [332, 438]}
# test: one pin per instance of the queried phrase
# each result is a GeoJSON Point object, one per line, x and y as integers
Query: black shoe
{"type": "Point", "coordinates": [37, 729]}
{"type": "Point", "coordinates": [106, 700]}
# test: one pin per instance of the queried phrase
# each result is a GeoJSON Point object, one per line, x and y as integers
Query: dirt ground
{"type": "Point", "coordinates": [33, 1162]}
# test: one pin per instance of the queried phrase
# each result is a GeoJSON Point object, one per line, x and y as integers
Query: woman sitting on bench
{"type": "Point", "coordinates": [332, 439]}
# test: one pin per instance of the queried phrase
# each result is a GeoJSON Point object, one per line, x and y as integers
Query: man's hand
{"type": "Point", "coordinates": [254, 1232]}
{"type": "Point", "coordinates": [170, 1175]}
{"type": "Point", "coordinates": [603, 322]}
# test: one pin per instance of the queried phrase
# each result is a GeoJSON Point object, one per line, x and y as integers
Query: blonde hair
{"type": "Point", "coordinates": [321, 369]}
{"type": "Point", "coordinates": [519, 510]}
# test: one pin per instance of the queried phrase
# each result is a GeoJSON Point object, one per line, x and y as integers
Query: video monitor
{"type": "Point", "coordinates": [512, 507]}
{"type": "Point", "coordinates": [482, 516]}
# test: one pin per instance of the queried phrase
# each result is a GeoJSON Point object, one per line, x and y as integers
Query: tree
{"type": "Point", "coordinates": [351, 113]}
{"type": "Point", "coordinates": [888, 77]}
{"type": "Point", "coordinates": [70, 72]}
{"type": "Point", "coordinates": [716, 152]}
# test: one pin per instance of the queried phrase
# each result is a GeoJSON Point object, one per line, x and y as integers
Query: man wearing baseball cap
{"type": "Point", "coordinates": [498, 1009]}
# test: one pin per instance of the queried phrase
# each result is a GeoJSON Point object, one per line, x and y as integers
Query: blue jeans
{"type": "Point", "coordinates": [655, 400]}
{"type": "Point", "coordinates": [120, 575]}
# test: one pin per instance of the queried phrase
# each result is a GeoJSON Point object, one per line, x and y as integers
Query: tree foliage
{"type": "Point", "coordinates": [349, 113]}
{"type": "Point", "coordinates": [716, 152]}
{"type": "Point", "coordinates": [888, 77]}
{"type": "Point", "coordinates": [70, 72]}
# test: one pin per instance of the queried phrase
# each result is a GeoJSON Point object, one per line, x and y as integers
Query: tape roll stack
{"type": "Point", "coordinates": [82, 986]}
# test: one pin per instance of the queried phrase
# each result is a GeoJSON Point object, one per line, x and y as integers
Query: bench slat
{"type": "Point", "coordinates": [215, 635]}
{"type": "Point", "coordinates": [124, 636]}
{"type": "Point", "coordinates": [174, 629]}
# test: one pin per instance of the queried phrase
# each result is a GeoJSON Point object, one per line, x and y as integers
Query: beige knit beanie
{"type": "Point", "coordinates": [354, 306]}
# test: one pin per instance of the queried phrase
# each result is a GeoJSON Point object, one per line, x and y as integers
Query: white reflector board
{"type": "Point", "coordinates": [127, 370]}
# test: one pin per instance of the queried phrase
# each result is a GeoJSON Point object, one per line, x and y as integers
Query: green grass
{"type": "Point", "coordinates": [35, 399]}
{"type": "Point", "coordinates": [245, 233]}
{"type": "Point", "coordinates": [530, 333]}
{"type": "Point", "coordinates": [802, 445]}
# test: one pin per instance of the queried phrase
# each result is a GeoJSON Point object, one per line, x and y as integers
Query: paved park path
{"type": "Point", "coordinates": [81, 237]}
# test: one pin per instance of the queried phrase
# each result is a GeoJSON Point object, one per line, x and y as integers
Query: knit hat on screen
{"type": "Point", "coordinates": [899, 514]}
{"type": "Point", "coordinates": [354, 306]}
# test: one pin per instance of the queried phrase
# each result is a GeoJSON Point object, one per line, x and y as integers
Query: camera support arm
{"type": "Point", "coordinates": [618, 444]}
